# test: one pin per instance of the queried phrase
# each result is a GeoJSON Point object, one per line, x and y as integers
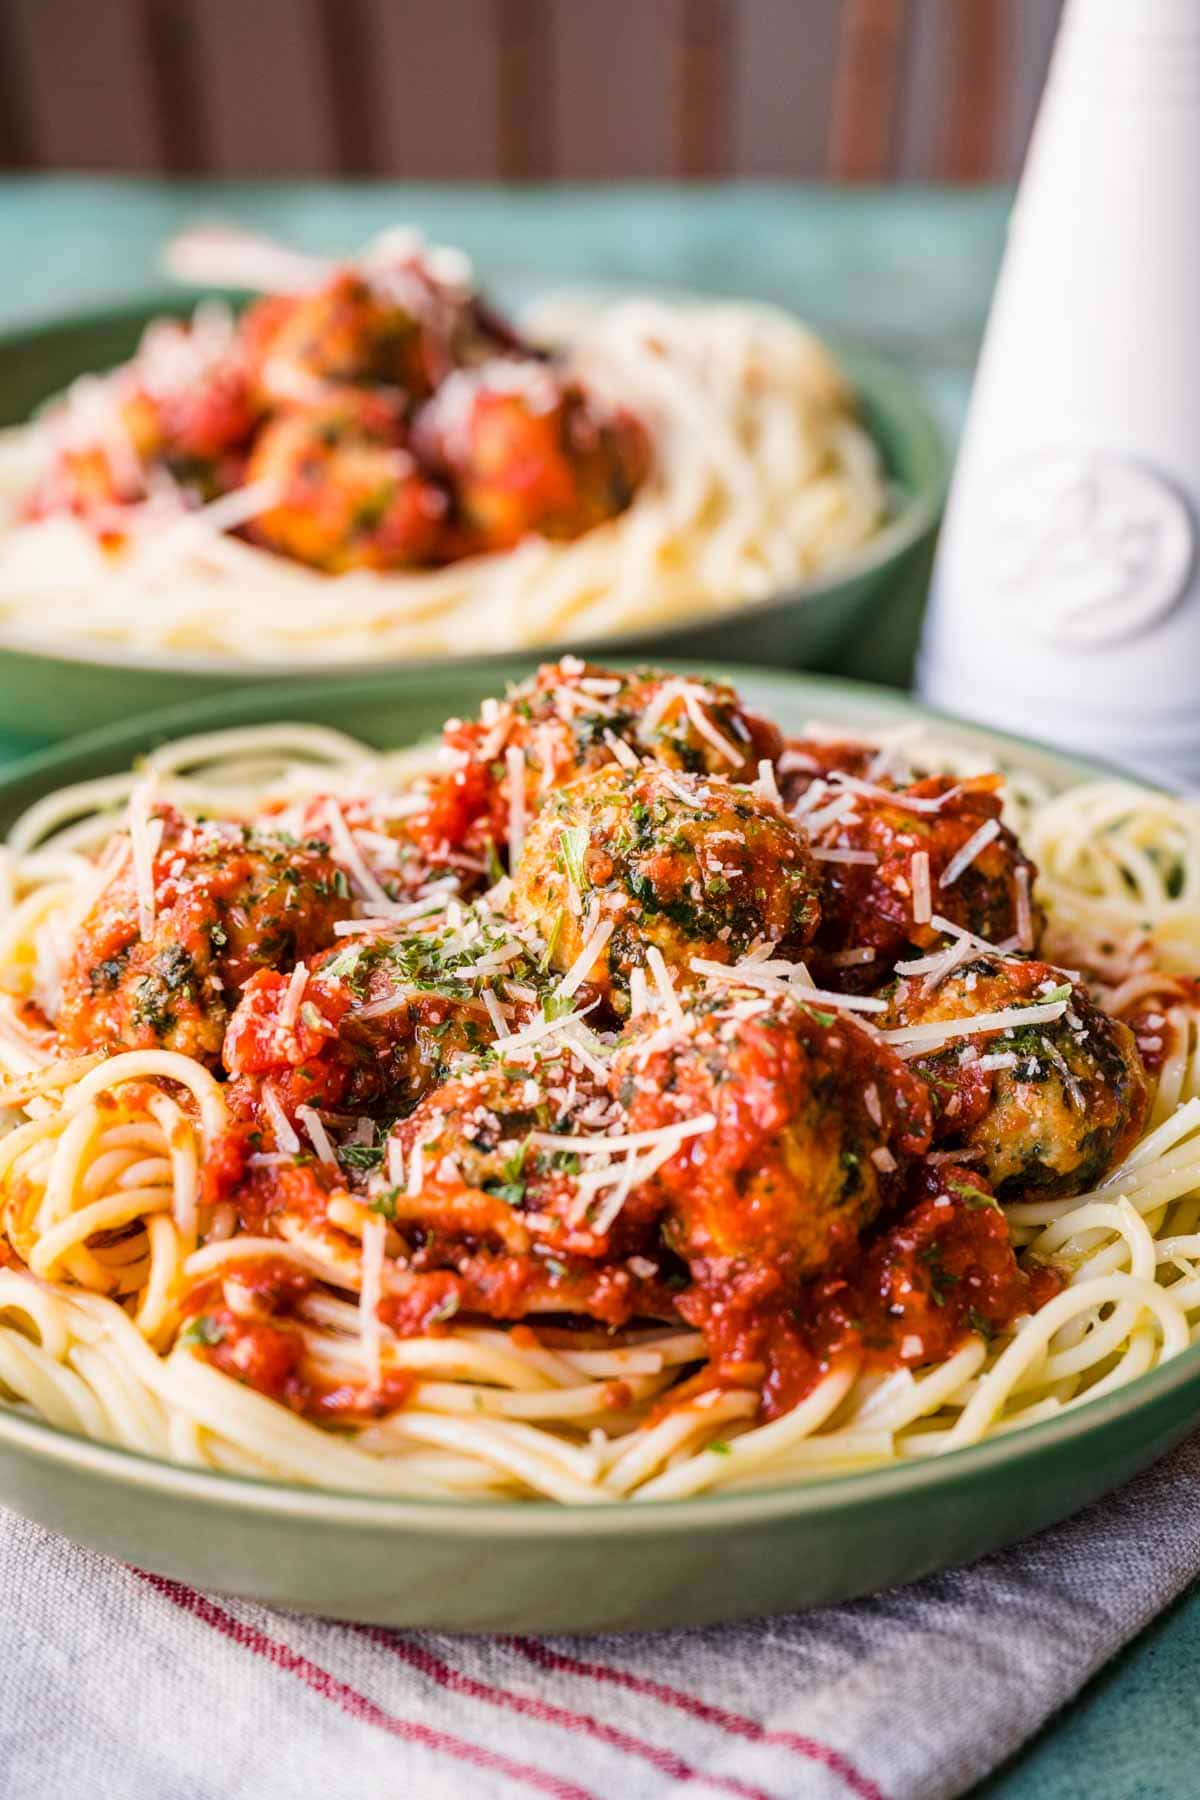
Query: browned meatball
{"type": "Point", "coordinates": [571, 717]}
{"type": "Point", "coordinates": [813, 1122]}
{"type": "Point", "coordinates": [400, 328]}
{"type": "Point", "coordinates": [350, 495]}
{"type": "Point", "coordinates": [227, 903]}
{"type": "Point", "coordinates": [504, 1224]}
{"type": "Point", "coordinates": [1046, 1107]}
{"type": "Point", "coordinates": [693, 867]}
{"type": "Point", "coordinates": [388, 1016]}
{"type": "Point", "coordinates": [198, 432]}
{"type": "Point", "coordinates": [878, 854]}
{"type": "Point", "coordinates": [527, 452]}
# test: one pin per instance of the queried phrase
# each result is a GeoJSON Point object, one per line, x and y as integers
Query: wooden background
{"type": "Point", "coordinates": [524, 90]}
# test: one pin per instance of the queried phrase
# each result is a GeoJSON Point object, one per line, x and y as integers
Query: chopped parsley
{"type": "Point", "coordinates": [361, 1156]}
{"type": "Point", "coordinates": [203, 1329]}
{"type": "Point", "coordinates": [574, 848]}
{"type": "Point", "coordinates": [384, 1203]}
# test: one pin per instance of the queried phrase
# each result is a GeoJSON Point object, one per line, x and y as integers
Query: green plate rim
{"type": "Point", "coordinates": [612, 1518]}
{"type": "Point", "coordinates": [874, 377]}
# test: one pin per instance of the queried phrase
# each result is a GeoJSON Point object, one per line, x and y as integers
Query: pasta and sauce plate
{"type": "Point", "coordinates": [651, 1306]}
{"type": "Point", "coordinates": [136, 571]}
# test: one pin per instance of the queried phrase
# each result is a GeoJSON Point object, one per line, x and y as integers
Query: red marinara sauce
{"type": "Point", "coordinates": [262, 1345]}
{"type": "Point", "coordinates": [942, 1272]}
{"type": "Point", "coordinates": [945, 1270]}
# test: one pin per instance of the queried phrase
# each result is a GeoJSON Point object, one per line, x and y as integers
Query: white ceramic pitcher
{"type": "Point", "coordinates": [1066, 596]}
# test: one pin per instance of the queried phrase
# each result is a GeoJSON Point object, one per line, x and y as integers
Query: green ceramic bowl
{"type": "Point", "coordinates": [537, 1566]}
{"type": "Point", "coordinates": [51, 690]}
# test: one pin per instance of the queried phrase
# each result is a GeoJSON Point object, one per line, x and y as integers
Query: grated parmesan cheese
{"type": "Point", "coordinates": [318, 1136]}
{"type": "Point", "coordinates": [348, 852]}
{"type": "Point", "coordinates": [514, 762]}
{"type": "Point", "coordinates": [766, 785]}
{"type": "Point", "coordinates": [289, 1012]}
{"type": "Point", "coordinates": [624, 753]}
{"type": "Point", "coordinates": [941, 1031]}
{"type": "Point", "coordinates": [665, 986]}
{"type": "Point", "coordinates": [492, 1007]}
{"type": "Point", "coordinates": [1024, 909]}
{"type": "Point", "coordinates": [922, 897]}
{"type": "Point", "coordinates": [579, 970]}
{"type": "Point", "coordinates": [867, 858]}
{"type": "Point", "coordinates": [961, 861]}
{"type": "Point", "coordinates": [281, 1125]}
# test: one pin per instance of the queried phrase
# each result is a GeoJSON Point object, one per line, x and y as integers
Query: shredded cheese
{"type": "Point", "coordinates": [961, 861]}
{"type": "Point", "coordinates": [826, 815]}
{"type": "Point", "coordinates": [833, 854]}
{"type": "Point", "coordinates": [692, 699]}
{"type": "Point", "coordinates": [922, 898]}
{"type": "Point", "coordinates": [625, 754]}
{"type": "Point", "coordinates": [672, 781]}
{"type": "Point", "coordinates": [665, 986]}
{"type": "Point", "coordinates": [281, 1125]}
{"type": "Point", "coordinates": [766, 784]}
{"type": "Point", "coordinates": [893, 796]}
{"type": "Point", "coordinates": [492, 1008]}
{"type": "Point", "coordinates": [289, 1012]}
{"type": "Point", "coordinates": [776, 974]}
{"type": "Point", "coordinates": [941, 1031]}
{"type": "Point", "coordinates": [580, 969]}
{"type": "Point", "coordinates": [514, 762]}
{"type": "Point", "coordinates": [318, 1136]}
{"type": "Point", "coordinates": [348, 852]}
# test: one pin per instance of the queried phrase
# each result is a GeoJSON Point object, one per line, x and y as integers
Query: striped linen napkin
{"type": "Point", "coordinates": [131, 1687]}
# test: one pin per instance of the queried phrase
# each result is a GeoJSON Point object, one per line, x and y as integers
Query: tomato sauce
{"type": "Point", "coordinates": [944, 1271]}
{"type": "Point", "coordinates": [262, 1345]}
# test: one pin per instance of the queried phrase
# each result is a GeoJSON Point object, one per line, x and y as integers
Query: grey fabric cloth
{"type": "Point", "coordinates": [120, 1684]}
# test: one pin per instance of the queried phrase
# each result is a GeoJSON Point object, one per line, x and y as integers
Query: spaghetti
{"type": "Point", "coordinates": [454, 1203]}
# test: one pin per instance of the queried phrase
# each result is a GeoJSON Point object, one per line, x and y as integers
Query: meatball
{"type": "Point", "coordinates": [691, 867]}
{"type": "Point", "coordinates": [873, 852]}
{"type": "Point", "coordinates": [227, 903]}
{"type": "Point", "coordinates": [813, 1122]}
{"type": "Point", "coordinates": [1045, 1108]}
{"type": "Point", "coordinates": [385, 1017]}
{"type": "Point", "coordinates": [350, 496]}
{"type": "Point", "coordinates": [566, 719]}
{"type": "Point", "coordinates": [807, 763]}
{"type": "Point", "coordinates": [197, 430]}
{"type": "Point", "coordinates": [399, 328]}
{"type": "Point", "coordinates": [526, 452]}
{"type": "Point", "coordinates": [572, 717]}
{"type": "Point", "coordinates": [499, 1222]}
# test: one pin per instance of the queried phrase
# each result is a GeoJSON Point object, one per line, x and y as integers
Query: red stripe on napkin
{"type": "Point", "coordinates": [357, 1705]}
{"type": "Point", "coordinates": [547, 1713]}
{"type": "Point", "coordinates": [736, 1724]}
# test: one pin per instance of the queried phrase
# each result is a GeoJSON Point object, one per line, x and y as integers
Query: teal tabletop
{"type": "Point", "coordinates": [907, 273]}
